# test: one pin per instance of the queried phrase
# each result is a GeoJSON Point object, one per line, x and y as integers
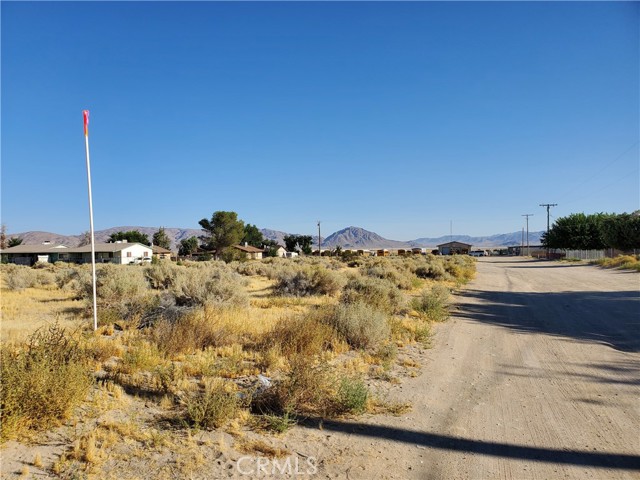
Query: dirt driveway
{"type": "Point", "coordinates": [537, 376]}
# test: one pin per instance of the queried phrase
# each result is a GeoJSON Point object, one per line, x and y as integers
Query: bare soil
{"type": "Point", "coordinates": [535, 376]}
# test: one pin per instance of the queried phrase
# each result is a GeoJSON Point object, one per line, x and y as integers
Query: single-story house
{"type": "Point", "coordinates": [252, 252]}
{"type": "Point", "coordinates": [30, 254]}
{"type": "Point", "coordinates": [160, 252]}
{"type": "Point", "coordinates": [454, 248]}
{"type": "Point", "coordinates": [121, 252]}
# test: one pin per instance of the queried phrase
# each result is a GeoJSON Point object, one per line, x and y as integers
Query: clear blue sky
{"type": "Point", "coordinates": [395, 117]}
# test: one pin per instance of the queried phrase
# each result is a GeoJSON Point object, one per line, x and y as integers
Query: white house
{"type": "Point", "coordinates": [119, 252]}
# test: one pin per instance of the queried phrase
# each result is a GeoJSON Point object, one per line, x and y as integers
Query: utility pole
{"type": "Point", "coordinates": [548, 205]}
{"type": "Point", "coordinates": [528, 215]}
{"type": "Point", "coordinates": [319, 241]}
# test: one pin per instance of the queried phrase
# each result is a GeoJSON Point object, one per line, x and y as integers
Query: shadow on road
{"type": "Point", "coordinates": [608, 318]}
{"type": "Point", "coordinates": [495, 449]}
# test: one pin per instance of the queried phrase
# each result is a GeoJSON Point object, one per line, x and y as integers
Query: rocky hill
{"type": "Point", "coordinates": [356, 237]}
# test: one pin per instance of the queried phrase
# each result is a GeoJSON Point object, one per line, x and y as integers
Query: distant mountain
{"type": "Point", "coordinates": [350, 237]}
{"type": "Point", "coordinates": [356, 237]}
{"type": "Point", "coordinates": [499, 240]}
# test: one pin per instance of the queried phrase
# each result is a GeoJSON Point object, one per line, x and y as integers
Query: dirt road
{"type": "Point", "coordinates": [537, 376]}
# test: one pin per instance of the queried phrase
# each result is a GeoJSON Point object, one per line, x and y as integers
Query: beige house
{"type": "Point", "coordinates": [161, 253]}
{"type": "Point", "coordinates": [252, 253]}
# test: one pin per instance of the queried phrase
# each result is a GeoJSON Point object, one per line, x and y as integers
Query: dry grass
{"type": "Point", "coordinates": [23, 312]}
{"type": "Point", "coordinates": [623, 262]}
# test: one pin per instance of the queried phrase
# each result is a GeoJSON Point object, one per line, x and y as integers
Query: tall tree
{"type": "Point", "coordinates": [223, 230]}
{"type": "Point", "coordinates": [577, 231]}
{"type": "Point", "coordinates": [188, 246]}
{"type": "Point", "coordinates": [622, 231]}
{"type": "Point", "coordinates": [297, 243]}
{"type": "Point", "coordinates": [14, 242]}
{"type": "Point", "coordinates": [132, 236]}
{"type": "Point", "coordinates": [161, 239]}
{"type": "Point", "coordinates": [253, 236]}
{"type": "Point", "coordinates": [3, 236]}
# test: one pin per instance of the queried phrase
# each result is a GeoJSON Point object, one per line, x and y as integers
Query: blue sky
{"type": "Point", "coordinates": [396, 117]}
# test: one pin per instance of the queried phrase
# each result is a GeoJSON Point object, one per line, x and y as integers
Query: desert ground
{"type": "Point", "coordinates": [536, 375]}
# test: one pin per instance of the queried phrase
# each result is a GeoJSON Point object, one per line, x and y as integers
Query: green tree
{"type": "Point", "coordinates": [622, 231]}
{"type": "Point", "coordinates": [253, 236]}
{"type": "Point", "coordinates": [161, 239]}
{"type": "Point", "coordinates": [14, 242]}
{"type": "Point", "coordinates": [291, 243]}
{"type": "Point", "coordinates": [223, 230]}
{"type": "Point", "coordinates": [271, 248]}
{"type": "Point", "coordinates": [132, 236]}
{"type": "Point", "coordinates": [297, 243]}
{"type": "Point", "coordinates": [577, 231]}
{"type": "Point", "coordinates": [188, 246]}
{"type": "Point", "coordinates": [3, 237]}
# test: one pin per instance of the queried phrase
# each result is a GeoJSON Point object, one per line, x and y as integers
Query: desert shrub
{"type": "Point", "coordinates": [303, 335]}
{"type": "Point", "coordinates": [161, 275]}
{"type": "Point", "coordinates": [376, 292]}
{"type": "Point", "coordinates": [433, 303]}
{"type": "Point", "coordinates": [18, 277]}
{"type": "Point", "coordinates": [395, 271]}
{"type": "Point", "coordinates": [209, 285]}
{"type": "Point", "coordinates": [41, 382]}
{"type": "Point", "coordinates": [431, 267]}
{"type": "Point", "coordinates": [352, 396]}
{"type": "Point", "coordinates": [461, 267]}
{"type": "Point", "coordinates": [122, 292]}
{"type": "Point", "coordinates": [308, 388]}
{"type": "Point", "coordinates": [190, 333]}
{"type": "Point", "coordinates": [361, 325]}
{"type": "Point", "coordinates": [212, 406]}
{"type": "Point", "coordinates": [304, 281]}
{"type": "Point", "coordinates": [141, 356]}
{"type": "Point", "coordinates": [67, 277]}
{"type": "Point", "coordinates": [624, 262]}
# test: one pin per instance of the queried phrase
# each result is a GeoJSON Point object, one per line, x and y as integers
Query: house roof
{"type": "Point", "coordinates": [248, 248]}
{"type": "Point", "coordinates": [157, 249]}
{"type": "Point", "coordinates": [454, 244]}
{"type": "Point", "coordinates": [33, 249]}
{"type": "Point", "coordinates": [106, 247]}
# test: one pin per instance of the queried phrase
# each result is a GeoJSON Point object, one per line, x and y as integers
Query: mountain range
{"type": "Point", "coordinates": [350, 237]}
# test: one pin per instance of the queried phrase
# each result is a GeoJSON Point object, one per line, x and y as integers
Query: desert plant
{"type": "Point", "coordinates": [303, 281]}
{"type": "Point", "coordinates": [18, 277]}
{"type": "Point", "coordinates": [190, 333]}
{"type": "Point", "coordinates": [211, 406]}
{"type": "Point", "coordinates": [433, 303]}
{"type": "Point", "coordinates": [304, 335]}
{"type": "Point", "coordinates": [376, 292]}
{"type": "Point", "coordinates": [361, 325]}
{"type": "Point", "coordinates": [209, 285]}
{"type": "Point", "coordinates": [352, 396]}
{"type": "Point", "coordinates": [42, 381]}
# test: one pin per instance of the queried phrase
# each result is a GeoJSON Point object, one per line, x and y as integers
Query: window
{"type": "Point", "coordinates": [128, 254]}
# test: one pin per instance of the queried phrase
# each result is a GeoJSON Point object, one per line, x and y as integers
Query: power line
{"type": "Point", "coordinates": [597, 172]}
